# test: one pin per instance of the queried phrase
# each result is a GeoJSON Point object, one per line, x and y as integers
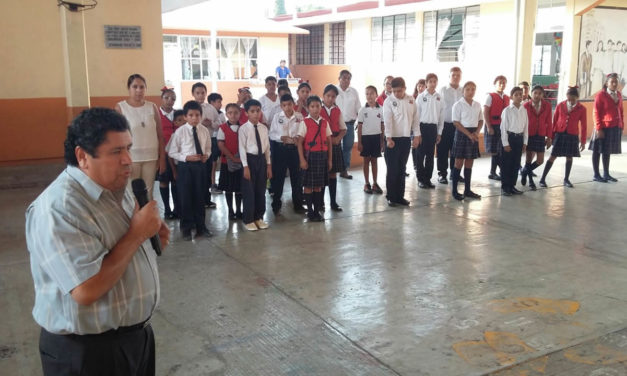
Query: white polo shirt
{"type": "Point", "coordinates": [400, 116]}
{"type": "Point", "coordinates": [431, 109]}
{"type": "Point", "coordinates": [371, 119]}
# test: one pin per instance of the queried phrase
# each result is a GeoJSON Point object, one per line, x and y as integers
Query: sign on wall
{"type": "Point", "coordinates": [602, 49]}
{"type": "Point", "coordinates": [119, 36]}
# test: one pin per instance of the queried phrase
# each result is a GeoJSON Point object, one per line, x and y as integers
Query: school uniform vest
{"type": "Point", "coordinates": [168, 127]}
{"type": "Point", "coordinates": [539, 123]}
{"type": "Point", "coordinates": [333, 119]}
{"type": "Point", "coordinates": [313, 135]}
{"type": "Point", "coordinates": [230, 140]}
{"type": "Point", "coordinates": [497, 107]}
{"type": "Point", "coordinates": [607, 113]}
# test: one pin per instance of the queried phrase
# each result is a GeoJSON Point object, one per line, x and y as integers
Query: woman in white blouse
{"type": "Point", "coordinates": [148, 151]}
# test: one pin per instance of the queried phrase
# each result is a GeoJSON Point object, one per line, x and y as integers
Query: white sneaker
{"type": "Point", "coordinates": [261, 224]}
{"type": "Point", "coordinates": [251, 226]}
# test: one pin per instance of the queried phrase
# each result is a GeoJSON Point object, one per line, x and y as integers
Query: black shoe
{"type": "Point", "coordinates": [442, 180]}
{"type": "Point", "coordinates": [299, 209]}
{"type": "Point", "coordinates": [186, 235]}
{"type": "Point", "coordinates": [403, 202]}
{"type": "Point", "coordinates": [494, 177]}
{"type": "Point", "coordinates": [542, 184]}
{"type": "Point", "coordinates": [368, 188]}
{"type": "Point", "coordinates": [506, 192]}
{"type": "Point", "coordinates": [314, 216]}
{"type": "Point", "coordinates": [599, 178]}
{"type": "Point", "coordinates": [473, 195]}
{"type": "Point", "coordinates": [532, 186]}
{"type": "Point", "coordinates": [517, 191]}
{"type": "Point", "coordinates": [346, 175]}
{"type": "Point", "coordinates": [568, 184]}
{"type": "Point", "coordinates": [210, 205]}
{"type": "Point", "coordinates": [457, 196]}
{"type": "Point", "coordinates": [392, 204]}
{"type": "Point", "coordinates": [204, 232]}
{"type": "Point", "coordinates": [430, 185]}
{"type": "Point", "coordinates": [609, 177]}
{"type": "Point", "coordinates": [422, 185]}
{"type": "Point", "coordinates": [376, 189]}
{"type": "Point", "coordinates": [336, 208]}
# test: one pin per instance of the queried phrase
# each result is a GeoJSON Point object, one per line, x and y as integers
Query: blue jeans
{"type": "Point", "coordinates": [347, 143]}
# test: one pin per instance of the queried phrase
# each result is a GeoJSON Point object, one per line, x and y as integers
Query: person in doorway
{"type": "Point", "coordinates": [282, 71]}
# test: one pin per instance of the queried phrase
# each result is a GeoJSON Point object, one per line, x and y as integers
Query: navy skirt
{"type": "Point", "coordinates": [317, 173]}
{"type": "Point", "coordinates": [463, 147]}
{"type": "Point", "coordinates": [337, 159]}
{"type": "Point", "coordinates": [609, 144]}
{"type": "Point", "coordinates": [230, 181]}
{"type": "Point", "coordinates": [493, 143]}
{"type": "Point", "coordinates": [536, 143]}
{"type": "Point", "coordinates": [565, 145]}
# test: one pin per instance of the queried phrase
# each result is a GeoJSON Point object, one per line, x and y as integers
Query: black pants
{"type": "Point", "coordinates": [110, 353]}
{"type": "Point", "coordinates": [444, 149]}
{"type": "Point", "coordinates": [511, 161]}
{"type": "Point", "coordinates": [285, 157]}
{"type": "Point", "coordinates": [396, 161]}
{"type": "Point", "coordinates": [192, 188]}
{"type": "Point", "coordinates": [254, 190]}
{"type": "Point", "coordinates": [425, 152]}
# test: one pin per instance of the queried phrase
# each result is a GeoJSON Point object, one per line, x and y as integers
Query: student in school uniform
{"type": "Point", "coordinates": [199, 92]}
{"type": "Point", "coordinates": [466, 116]}
{"type": "Point", "coordinates": [216, 117]}
{"type": "Point", "coordinates": [568, 134]}
{"type": "Point", "coordinates": [332, 114]}
{"type": "Point", "coordinates": [493, 107]}
{"type": "Point", "coordinates": [540, 126]}
{"type": "Point", "coordinates": [608, 127]}
{"type": "Point", "coordinates": [387, 90]}
{"type": "Point", "coordinates": [315, 157]}
{"type": "Point", "coordinates": [270, 99]}
{"type": "Point", "coordinates": [243, 95]}
{"type": "Point", "coordinates": [277, 109]}
{"type": "Point", "coordinates": [400, 119]}
{"type": "Point", "coordinates": [514, 138]}
{"type": "Point", "coordinates": [254, 152]}
{"type": "Point", "coordinates": [430, 112]}
{"type": "Point", "coordinates": [450, 94]}
{"type": "Point", "coordinates": [166, 179]}
{"type": "Point", "coordinates": [370, 138]}
{"type": "Point", "coordinates": [231, 169]}
{"type": "Point", "coordinates": [524, 85]}
{"type": "Point", "coordinates": [303, 92]}
{"type": "Point", "coordinates": [190, 146]}
{"type": "Point", "coordinates": [283, 134]}
{"type": "Point", "coordinates": [349, 104]}
{"type": "Point", "coordinates": [420, 87]}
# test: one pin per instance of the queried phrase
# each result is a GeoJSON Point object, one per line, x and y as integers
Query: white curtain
{"type": "Point", "coordinates": [248, 46]}
{"type": "Point", "coordinates": [229, 45]}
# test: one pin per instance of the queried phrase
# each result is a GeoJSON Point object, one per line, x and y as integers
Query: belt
{"type": "Point", "coordinates": [350, 121]}
{"type": "Point", "coordinates": [124, 329]}
{"type": "Point", "coordinates": [514, 134]}
{"type": "Point", "coordinates": [428, 124]}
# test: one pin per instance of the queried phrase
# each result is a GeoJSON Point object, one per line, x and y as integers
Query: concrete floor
{"type": "Point", "coordinates": [529, 285]}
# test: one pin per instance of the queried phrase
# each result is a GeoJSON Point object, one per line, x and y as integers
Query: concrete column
{"type": "Point", "coordinates": [74, 61]}
{"type": "Point", "coordinates": [528, 10]}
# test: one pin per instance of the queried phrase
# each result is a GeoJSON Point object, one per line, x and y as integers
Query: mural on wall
{"type": "Point", "coordinates": [602, 49]}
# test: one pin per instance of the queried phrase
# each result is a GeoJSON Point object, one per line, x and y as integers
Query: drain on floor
{"type": "Point", "coordinates": [6, 351]}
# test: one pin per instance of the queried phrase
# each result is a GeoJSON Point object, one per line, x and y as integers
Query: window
{"type": "Point", "coordinates": [337, 35]}
{"type": "Point", "coordinates": [310, 48]}
{"type": "Point", "coordinates": [392, 37]}
{"type": "Point", "coordinates": [448, 33]}
{"type": "Point", "coordinates": [236, 58]}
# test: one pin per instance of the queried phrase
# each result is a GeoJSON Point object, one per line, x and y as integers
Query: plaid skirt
{"type": "Point", "coordinates": [463, 147]}
{"type": "Point", "coordinates": [337, 159]}
{"type": "Point", "coordinates": [493, 143]}
{"type": "Point", "coordinates": [536, 143]}
{"type": "Point", "coordinates": [230, 181]}
{"type": "Point", "coordinates": [611, 143]}
{"type": "Point", "coordinates": [565, 145]}
{"type": "Point", "coordinates": [317, 174]}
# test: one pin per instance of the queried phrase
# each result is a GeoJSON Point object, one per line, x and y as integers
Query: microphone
{"type": "Point", "coordinates": [141, 194]}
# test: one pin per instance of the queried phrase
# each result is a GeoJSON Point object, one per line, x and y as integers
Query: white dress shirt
{"type": "Point", "coordinates": [348, 102]}
{"type": "Point", "coordinates": [182, 142]}
{"type": "Point", "coordinates": [282, 125]}
{"type": "Point", "coordinates": [466, 114]}
{"type": "Point", "coordinates": [267, 104]}
{"type": "Point", "coordinates": [371, 119]}
{"type": "Point", "coordinates": [514, 119]}
{"type": "Point", "coordinates": [248, 141]}
{"type": "Point", "coordinates": [431, 109]}
{"type": "Point", "coordinates": [400, 116]}
{"type": "Point", "coordinates": [450, 96]}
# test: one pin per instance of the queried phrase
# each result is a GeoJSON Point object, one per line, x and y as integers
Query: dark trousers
{"type": "Point", "coordinates": [285, 157]}
{"type": "Point", "coordinates": [511, 161]}
{"type": "Point", "coordinates": [425, 152]}
{"type": "Point", "coordinates": [192, 188]}
{"type": "Point", "coordinates": [396, 161]}
{"type": "Point", "coordinates": [110, 353]}
{"type": "Point", "coordinates": [444, 149]}
{"type": "Point", "coordinates": [254, 190]}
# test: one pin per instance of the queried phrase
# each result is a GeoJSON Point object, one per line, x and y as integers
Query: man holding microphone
{"type": "Point", "coordinates": [95, 276]}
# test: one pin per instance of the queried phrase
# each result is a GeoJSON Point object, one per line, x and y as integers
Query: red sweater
{"type": "Point", "coordinates": [381, 98]}
{"type": "Point", "coordinates": [540, 124]}
{"type": "Point", "coordinates": [607, 113]}
{"type": "Point", "coordinates": [569, 122]}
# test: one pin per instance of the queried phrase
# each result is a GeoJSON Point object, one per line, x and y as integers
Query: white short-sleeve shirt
{"type": "Point", "coordinates": [467, 114]}
{"type": "Point", "coordinates": [371, 119]}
